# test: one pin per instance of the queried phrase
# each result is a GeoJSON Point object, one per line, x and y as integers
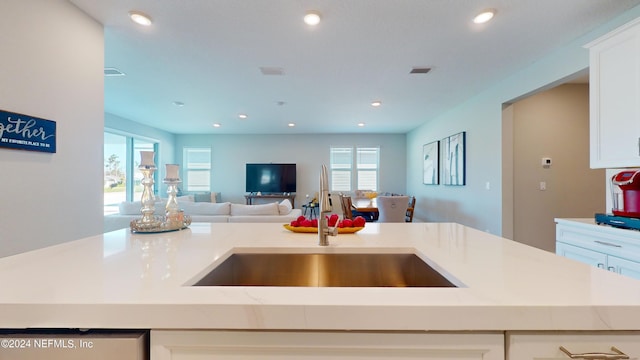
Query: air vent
{"type": "Point", "coordinates": [272, 71]}
{"type": "Point", "coordinates": [420, 70]}
{"type": "Point", "coordinates": [113, 72]}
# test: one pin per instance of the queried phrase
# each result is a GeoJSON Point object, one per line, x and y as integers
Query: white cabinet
{"type": "Point", "coordinates": [608, 248]}
{"type": "Point", "coordinates": [598, 259]}
{"type": "Point", "coordinates": [583, 255]}
{"type": "Point", "coordinates": [546, 345]}
{"type": "Point", "coordinates": [624, 267]}
{"type": "Point", "coordinates": [614, 86]}
{"type": "Point", "coordinates": [272, 345]}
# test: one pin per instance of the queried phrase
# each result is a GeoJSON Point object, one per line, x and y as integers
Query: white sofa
{"type": "Point", "coordinates": [209, 212]}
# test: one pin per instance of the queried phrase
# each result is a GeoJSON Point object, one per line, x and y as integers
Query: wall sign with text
{"type": "Point", "coordinates": [24, 132]}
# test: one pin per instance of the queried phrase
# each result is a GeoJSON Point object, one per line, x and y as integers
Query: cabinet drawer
{"type": "Point", "coordinates": [274, 345]}
{"type": "Point", "coordinates": [586, 256]}
{"type": "Point", "coordinates": [624, 244]}
{"type": "Point", "coordinates": [546, 345]}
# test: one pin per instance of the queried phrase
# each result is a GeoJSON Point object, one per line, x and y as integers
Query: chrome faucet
{"type": "Point", "coordinates": [325, 208]}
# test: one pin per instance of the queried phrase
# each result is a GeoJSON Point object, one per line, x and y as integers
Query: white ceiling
{"type": "Point", "coordinates": [208, 54]}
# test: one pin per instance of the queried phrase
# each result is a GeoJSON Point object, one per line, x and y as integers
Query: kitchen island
{"type": "Point", "coordinates": [122, 280]}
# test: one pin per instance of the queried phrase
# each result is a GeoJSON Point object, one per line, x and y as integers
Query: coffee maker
{"type": "Point", "coordinates": [625, 193]}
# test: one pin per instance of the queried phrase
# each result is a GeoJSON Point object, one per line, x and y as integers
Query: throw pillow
{"type": "Point", "coordinates": [202, 197]}
{"type": "Point", "coordinates": [285, 207]}
{"type": "Point", "coordinates": [184, 198]}
{"type": "Point", "coordinates": [262, 209]}
{"type": "Point", "coordinates": [211, 197]}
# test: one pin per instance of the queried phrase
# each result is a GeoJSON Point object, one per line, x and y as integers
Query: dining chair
{"type": "Point", "coordinates": [345, 202]}
{"type": "Point", "coordinates": [412, 205]}
{"type": "Point", "coordinates": [392, 208]}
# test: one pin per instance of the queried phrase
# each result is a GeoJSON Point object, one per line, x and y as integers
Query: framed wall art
{"type": "Point", "coordinates": [431, 163]}
{"type": "Point", "coordinates": [453, 159]}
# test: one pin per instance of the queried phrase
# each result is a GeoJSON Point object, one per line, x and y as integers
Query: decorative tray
{"type": "Point", "coordinates": [159, 224]}
{"type": "Point", "coordinates": [314, 230]}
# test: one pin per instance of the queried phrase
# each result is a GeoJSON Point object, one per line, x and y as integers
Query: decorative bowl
{"type": "Point", "coordinates": [314, 230]}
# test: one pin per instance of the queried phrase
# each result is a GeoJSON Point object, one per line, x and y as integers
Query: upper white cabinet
{"type": "Point", "coordinates": [614, 97]}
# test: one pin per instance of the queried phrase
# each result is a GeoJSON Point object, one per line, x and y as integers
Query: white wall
{"type": "Point", "coordinates": [230, 153]}
{"type": "Point", "coordinates": [481, 118]}
{"type": "Point", "coordinates": [555, 124]}
{"type": "Point", "coordinates": [51, 67]}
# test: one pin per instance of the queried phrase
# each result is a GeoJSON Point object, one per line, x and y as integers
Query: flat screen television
{"type": "Point", "coordinates": [271, 178]}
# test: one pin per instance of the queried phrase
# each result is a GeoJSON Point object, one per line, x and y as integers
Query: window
{"type": "Point", "coordinates": [367, 165]}
{"type": "Point", "coordinates": [197, 169]}
{"type": "Point", "coordinates": [347, 177]}
{"type": "Point", "coordinates": [341, 168]}
{"type": "Point", "coordinates": [143, 145]}
{"type": "Point", "coordinates": [115, 171]}
{"type": "Point", "coordinates": [121, 174]}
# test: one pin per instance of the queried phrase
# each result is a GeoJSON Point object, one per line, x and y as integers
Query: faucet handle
{"type": "Point", "coordinates": [333, 230]}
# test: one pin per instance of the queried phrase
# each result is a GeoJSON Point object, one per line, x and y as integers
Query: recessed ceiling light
{"type": "Point", "coordinates": [243, 116]}
{"type": "Point", "coordinates": [312, 17]}
{"type": "Point", "coordinates": [484, 16]}
{"type": "Point", "coordinates": [291, 124]}
{"type": "Point", "coordinates": [178, 103]}
{"type": "Point", "coordinates": [216, 125]}
{"type": "Point", "coordinates": [361, 124]}
{"type": "Point", "coordinates": [376, 103]}
{"type": "Point", "coordinates": [140, 18]}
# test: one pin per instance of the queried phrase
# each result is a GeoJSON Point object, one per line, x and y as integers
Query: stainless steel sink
{"type": "Point", "coordinates": [324, 270]}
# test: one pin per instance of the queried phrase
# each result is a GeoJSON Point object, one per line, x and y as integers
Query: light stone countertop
{"type": "Point", "coordinates": [124, 280]}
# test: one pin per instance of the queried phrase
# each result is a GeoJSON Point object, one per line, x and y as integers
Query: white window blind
{"type": "Point", "coordinates": [341, 168]}
{"type": "Point", "coordinates": [367, 164]}
{"type": "Point", "coordinates": [197, 163]}
{"type": "Point", "coordinates": [345, 177]}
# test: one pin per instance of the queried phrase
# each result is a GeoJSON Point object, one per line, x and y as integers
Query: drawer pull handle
{"type": "Point", "coordinates": [607, 244]}
{"type": "Point", "coordinates": [616, 355]}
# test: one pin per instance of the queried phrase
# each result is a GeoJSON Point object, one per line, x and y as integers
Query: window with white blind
{"type": "Point", "coordinates": [197, 169]}
{"type": "Point", "coordinates": [354, 168]}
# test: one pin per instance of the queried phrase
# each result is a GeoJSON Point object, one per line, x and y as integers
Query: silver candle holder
{"type": "Point", "coordinates": [174, 218]}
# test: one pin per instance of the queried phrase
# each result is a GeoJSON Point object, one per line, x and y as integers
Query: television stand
{"type": "Point", "coordinates": [290, 196]}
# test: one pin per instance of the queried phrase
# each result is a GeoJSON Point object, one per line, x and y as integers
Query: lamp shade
{"type": "Point", "coordinates": [172, 171]}
{"type": "Point", "coordinates": [146, 158]}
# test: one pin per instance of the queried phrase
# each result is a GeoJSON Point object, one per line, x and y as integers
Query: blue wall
{"type": "Point", "coordinates": [481, 118]}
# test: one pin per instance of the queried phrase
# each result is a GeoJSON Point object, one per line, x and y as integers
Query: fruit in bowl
{"type": "Point", "coordinates": [302, 224]}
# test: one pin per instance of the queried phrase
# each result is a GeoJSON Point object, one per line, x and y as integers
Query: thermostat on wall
{"type": "Point", "coordinates": [546, 162]}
